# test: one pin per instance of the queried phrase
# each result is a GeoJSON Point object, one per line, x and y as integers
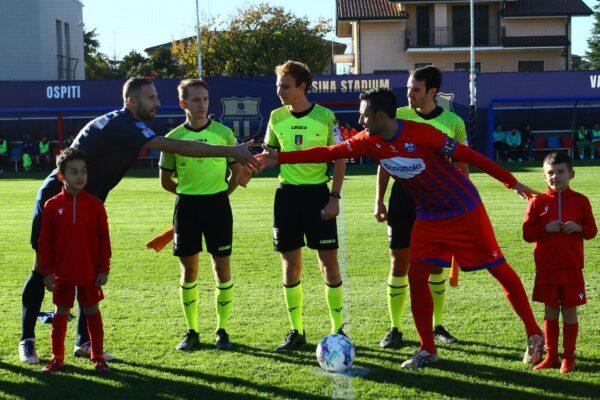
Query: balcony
{"type": "Point", "coordinates": [66, 67]}
{"type": "Point", "coordinates": [457, 36]}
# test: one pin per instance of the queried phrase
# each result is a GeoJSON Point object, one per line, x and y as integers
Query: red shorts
{"type": "Point", "coordinates": [560, 295]}
{"type": "Point", "coordinates": [469, 238]}
{"type": "Point", "coordinates": [87, 295]}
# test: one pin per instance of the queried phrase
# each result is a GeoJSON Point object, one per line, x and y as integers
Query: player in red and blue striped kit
{"type": "Point", "coordinates": [450, 217]}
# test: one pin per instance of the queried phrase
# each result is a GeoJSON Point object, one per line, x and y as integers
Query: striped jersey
{"type": "Point", "coordinates": [416, 157]}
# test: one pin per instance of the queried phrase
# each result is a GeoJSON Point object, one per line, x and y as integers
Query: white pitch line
{"type": "Point", "coordinates": [342, 388]}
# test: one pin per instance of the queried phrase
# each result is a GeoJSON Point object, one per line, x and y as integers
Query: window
{"type": "Point", "coordinates": [59, 50]}
{"type": "Point", "coordinates": [531, 66]}
{"type": "Point", "coordinates": [466, 67]}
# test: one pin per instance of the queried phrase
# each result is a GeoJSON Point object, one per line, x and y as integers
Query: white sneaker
{"type": "Point", "coordinates": [533, 353]}
{"type": "Point", "coordinates": [27, 352]}
{"type": "Point", "coordinates": [85, 351]}
{"type": "Point", "coordinates": [520, 160]}
{"type": "Point", "coordinates": [420, 359]}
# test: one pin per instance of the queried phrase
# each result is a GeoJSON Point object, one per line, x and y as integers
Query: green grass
{"type": "Point", "coordinates": [143, 320]}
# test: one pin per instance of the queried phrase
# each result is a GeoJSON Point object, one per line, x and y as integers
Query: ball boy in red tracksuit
{"type": "Point", "coordinates": [557, 222]}
{"type": "Point", "coordinates": [74, 255]}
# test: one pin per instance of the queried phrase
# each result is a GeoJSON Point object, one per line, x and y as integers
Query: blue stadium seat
{"type": "Point", "coordinates": [554, 142]}
{"type": "Point", "coordinates": [16, 153]}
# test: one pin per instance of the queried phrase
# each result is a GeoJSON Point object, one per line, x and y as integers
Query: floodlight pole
{"type": "Point", "coordinates": [198, 41]}
{"type": "Point", "coordinates": [472, 86]}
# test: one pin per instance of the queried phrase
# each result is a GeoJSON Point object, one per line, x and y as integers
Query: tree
{"type": "Point", "coordinates": [257, 39]}
{"type": "Point", "coordinates": [97, 65]}
{"type": "Point", "coordinates": [593, 55]}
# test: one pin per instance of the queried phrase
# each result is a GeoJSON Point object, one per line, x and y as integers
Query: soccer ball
{"type": "Point", "coordinates": [335, 353]}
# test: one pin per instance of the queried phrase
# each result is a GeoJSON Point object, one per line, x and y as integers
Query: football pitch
{"type": "Point", "coordinates": [143, 319]}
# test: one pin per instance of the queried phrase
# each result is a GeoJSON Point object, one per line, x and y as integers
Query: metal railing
{"type": "Point", "coordinates": [456, 36]}
{"type": "Point", "coordinates": [66, 67]}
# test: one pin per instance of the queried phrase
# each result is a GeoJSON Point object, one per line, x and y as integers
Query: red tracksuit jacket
{"type": "Point", "coordinates": [74, 243]}
{"type": "Point", "coordinates": [558, 251]}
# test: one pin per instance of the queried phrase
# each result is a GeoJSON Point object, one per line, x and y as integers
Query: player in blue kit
{"type": "Point", "coordinates": [112, 143]}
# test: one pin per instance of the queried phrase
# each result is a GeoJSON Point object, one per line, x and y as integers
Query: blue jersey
{"type": "Point", "coordinates": [111, 142]}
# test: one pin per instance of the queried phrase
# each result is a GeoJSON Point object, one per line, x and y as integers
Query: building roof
{"type": "Point", "coordinates": [355, 10]}
{"type": "Point", "coordinates": [539, 8]}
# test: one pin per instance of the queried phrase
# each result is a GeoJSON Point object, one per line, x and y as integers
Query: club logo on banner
{"type": "Point", "coordinates": [243, 116]}
{"type": "Point", "coordinates": [445, 100]}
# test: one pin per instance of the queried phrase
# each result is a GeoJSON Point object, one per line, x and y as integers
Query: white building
{"type": "Point", "coordinates": [41, 40]}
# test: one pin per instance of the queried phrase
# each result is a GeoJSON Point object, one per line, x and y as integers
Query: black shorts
{"type": "Point", "coordinates": [50, 188]}
{"type": "Point", "coordinates": [297, 212]}
{"type": "Point", "coordinates": [401, 217]}
{"type": "Point", "coordinates": [202, 215]}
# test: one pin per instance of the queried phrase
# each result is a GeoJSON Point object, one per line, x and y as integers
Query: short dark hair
{"type": "Point", "coordinates": [69, 154]}
{"type": "Point", "coordinates": [431, 75]}
{"type": "Point", "coordinates": [558, 157]}
{"type": "Point", "coordinates": [296, 70]}
{"type": "Point", "coordinates": [132, 86]}
{"type": "Point", "coordinates": [381, 99]}
{"type": "Point", "coordinates": [185, 84]}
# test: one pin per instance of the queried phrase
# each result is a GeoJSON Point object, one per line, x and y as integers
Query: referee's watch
{"type": "Point", "coordinates": [335, 194]}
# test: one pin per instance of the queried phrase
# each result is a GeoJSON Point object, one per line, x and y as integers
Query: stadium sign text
{"type": "Point", "coordinates": [347, 85]}
{"type": "Point", "coordinates": [63, 92]}
{"type": "Point", "coordinates": [595, 81]}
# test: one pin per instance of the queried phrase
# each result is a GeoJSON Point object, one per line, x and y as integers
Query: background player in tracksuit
{"type": "Point", "coordinates": [112, 142]}
{"type": "Point", "coordinates": [303, 203]}
{"type": "Point", "coordinates": [450, 217]}
{"type": "Point", "coordinates": [202, 209]}
{"type": "Point", "coordinates": [557, 222]}
{"type": "Point", "coordinates": [422, 87]}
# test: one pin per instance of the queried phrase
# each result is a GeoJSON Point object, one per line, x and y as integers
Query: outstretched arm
{"type": "Point", "coordinates": [470, 156]}
{"type": "Point", "coordinates": [240, 153]}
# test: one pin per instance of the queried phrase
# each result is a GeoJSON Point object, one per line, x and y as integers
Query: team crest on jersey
{"type": "Point", "coordinates": [581, 296]}
{"type": "Point", "coordinates": [298, 140]}
{"type": "Point", "coordinates": [243, 116]}
{"type": "Point", "coordinates": [410, 147]}
{"type": "Point", "coordinates": [60, 211]}
{"type": "Point", "coordinates": [393, 148]}
{"type": "Point", "coordinates": [546, 208]}
{"type": "Point", "coordinates": [337, 134]}
{"type": "Point", "coordinates": [494, 254]}
{"type": "Point", "coordinates": [445, 100]}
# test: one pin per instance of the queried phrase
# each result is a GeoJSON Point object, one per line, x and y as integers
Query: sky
{"type": "Point", "coordinates": [125, 25]}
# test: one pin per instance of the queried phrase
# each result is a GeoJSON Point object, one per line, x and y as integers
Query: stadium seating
{"type": "Point", "coordinates": [16, 152]}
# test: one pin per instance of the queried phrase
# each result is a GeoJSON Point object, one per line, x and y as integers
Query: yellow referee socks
{"type": "Point", "coordinates": [293, 299]}
{"type": "Point", "coordinates": [335, 303]}
{"type": "Point", "coordinates": [189, 301]}
{"type": "Point", "coordinates": [437, 285]}
{"type": "Point", "coordinates": [224, 303]}
{"type": "Point", "coordinates": [397, 291]}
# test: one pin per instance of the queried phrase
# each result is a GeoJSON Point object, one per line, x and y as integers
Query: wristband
{"type": "Point", "coordinates": [335, 195]}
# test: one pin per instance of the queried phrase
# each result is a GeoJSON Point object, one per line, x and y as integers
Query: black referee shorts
{"type": "Point", "coordinates": [202, 215]}
{"type": "Point", "coordinates": [297, 212]}
{"type": "Point", "coordinates": [401, 218]}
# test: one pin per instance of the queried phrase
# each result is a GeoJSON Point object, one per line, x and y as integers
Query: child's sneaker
{"type": "Point", "coordinates": [53, 366]}
{"type": "Point", "coordinates": [548, 362]}
{"type": "Point", "coordinates": [100, 366]}
{"type": "Point", "coordinates": [567, 366]}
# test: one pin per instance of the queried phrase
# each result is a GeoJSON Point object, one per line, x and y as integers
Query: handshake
{"type": "Point", "coordinates": [264, 160]}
